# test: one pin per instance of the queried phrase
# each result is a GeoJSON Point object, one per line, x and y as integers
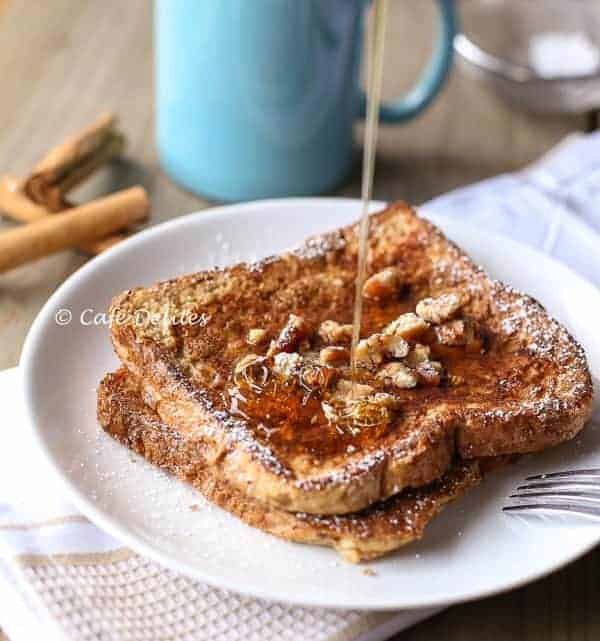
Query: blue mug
{"type": "Point", "coordinates": [257, 98]}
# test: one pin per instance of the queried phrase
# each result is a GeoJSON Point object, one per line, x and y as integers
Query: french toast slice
{"type": "Point", "coordinates": [218, 357]}
{"type": "Point", "coordinates": [374, 532]}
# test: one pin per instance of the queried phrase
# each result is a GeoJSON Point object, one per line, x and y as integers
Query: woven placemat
{"type": "Point", "coordinates": [121, 596]}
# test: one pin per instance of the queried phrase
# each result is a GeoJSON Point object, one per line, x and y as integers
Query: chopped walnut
{"type": "Point", "coordinates": [388, 370]}
{"type": "Point", "coordinates": [429, 373]}
{"type": "Point", "coordinates": [408, 326]}
{"type": "Point", "coordinates": [334, 356]}
{"type": "Point", "coordinates": [286, 364]}
{"type": "Point", "coordinates": [294, 334]}
{"type": "Point", "coordinates": [383, 284]}
{"type": "Point", "coordinates": [461, 333]}
{"type": "Point", "coordinates": [455, 333]}
{"type": "Point", "coordinates": [439, 309]}
{"type": "Point", "coordinates": [370, 351]}
{"type": "Point", "coordinates": [396, 346]}
{"type": "Point", "coordinates": [418, 354]}
{"type": "Point", "coordinates": [398, 375]}
{"type": "Point", "coordinates": [256, 336]}
{"type": "Point", "coordinates": [333, 332]}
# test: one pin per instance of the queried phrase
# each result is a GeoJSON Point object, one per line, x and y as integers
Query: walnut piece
{"type": "Point", "coordinates": [429, 373]}
{"type": "Point", "coordinates": [407, 326]}
{"type": "Point", "coordinates": [370, 351]}
{"type": "Point", "coordinates": [455, 333]}
{"type": "Point", "coordinates": [383, 285]}
{"type": "Point", "coordinates": [439, 309]}
{"type": "Point", "coordinates": [396, 346]}
{"type": "Point", "coordinates": [334, 355]}
{"type": "Point", "coordinates": [294, 334]}
{"type": "Point", "coordinates": [333, 332]}
{"type": "Point", "coordinates": [287, 364]}
{"type": "Point", "coordinates": [418, 354]}
{"type": "Point", "coordinates": [461, 333]}
{"type": "Point", "coordinates": [398, 375]}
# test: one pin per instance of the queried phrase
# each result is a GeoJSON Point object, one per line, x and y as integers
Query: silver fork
{"type": "Point", "coordinates": [574, 491]}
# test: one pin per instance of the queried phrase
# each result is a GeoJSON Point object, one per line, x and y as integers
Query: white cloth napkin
{"type": "Point", "coordinates": [553, 205]}
{"type": "Point", "coordinates": [62, 578]}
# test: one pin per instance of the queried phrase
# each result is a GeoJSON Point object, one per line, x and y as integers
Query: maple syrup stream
{"type": "Point", "coordinates": [375, 46]}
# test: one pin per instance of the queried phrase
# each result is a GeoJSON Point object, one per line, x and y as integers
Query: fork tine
{"type": "Point", "coordinates": [586, 496]}
{"type": "Point", "coordinates": [592, 472]}
{"type": "Point", "coordinates": [566, 483]}
{"type": "Point", "coordinates": [553, 507]}
{"type": "Point", "coordinates": [573, 491]}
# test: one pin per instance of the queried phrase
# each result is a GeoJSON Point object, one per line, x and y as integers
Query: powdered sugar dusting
{"type": "Point", "coordinates": [514, 314]}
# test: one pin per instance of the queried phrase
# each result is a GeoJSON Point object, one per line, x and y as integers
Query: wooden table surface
{"type": "Point", "coordinates": [63, 61]}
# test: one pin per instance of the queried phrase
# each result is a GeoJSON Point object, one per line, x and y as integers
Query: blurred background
{"type": "Point", "coordinates": [64, 61]}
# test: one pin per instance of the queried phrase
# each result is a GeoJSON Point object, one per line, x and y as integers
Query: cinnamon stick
{"type": "Point", "coordinates": [14, 204]}
{"type": "Point", "coordinates": [71, 162]}
{"type": "Point", "coordinates": [83, 224]}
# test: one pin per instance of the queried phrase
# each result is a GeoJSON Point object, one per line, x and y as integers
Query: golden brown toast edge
{"type": "Point", "coordinates": [374, 532]}
{"type": "Point", "coordinates": [362, 480]}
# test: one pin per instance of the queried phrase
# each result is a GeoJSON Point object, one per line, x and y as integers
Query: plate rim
{"type": "Point", "coordinates": [120, 531]}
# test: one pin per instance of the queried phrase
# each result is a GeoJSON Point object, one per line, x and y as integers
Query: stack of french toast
{"type": "Point", "coordinates": [239, 381]}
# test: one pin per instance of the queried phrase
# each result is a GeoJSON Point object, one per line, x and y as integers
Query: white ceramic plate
{"type": "Point", "coordinates": [470, 551]}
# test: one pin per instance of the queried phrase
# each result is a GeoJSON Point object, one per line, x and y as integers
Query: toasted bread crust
{"type": "Point", "coordinates": [532, 390]}
{"type": "Point", "coordinates": [369, 534]}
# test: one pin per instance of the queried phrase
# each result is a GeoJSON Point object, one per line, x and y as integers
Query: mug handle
{"type": "Point", "coordinates": [433, 77]}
